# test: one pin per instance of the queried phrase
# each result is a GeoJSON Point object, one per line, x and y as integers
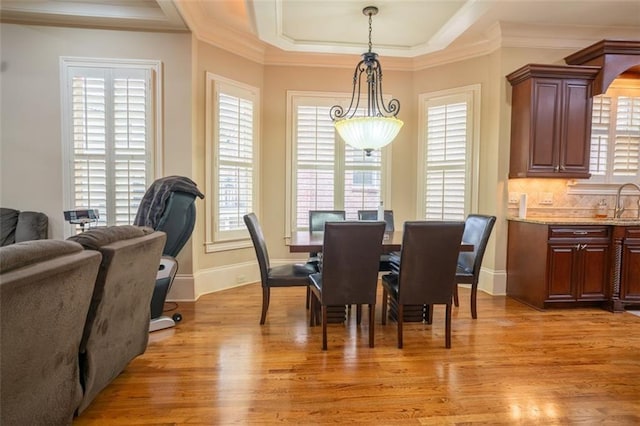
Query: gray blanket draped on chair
{"type": "Point", "coordinates": [154, 200]}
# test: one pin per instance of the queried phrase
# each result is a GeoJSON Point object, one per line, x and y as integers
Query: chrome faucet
{"type": "Point", "coordinates": [617, 212]}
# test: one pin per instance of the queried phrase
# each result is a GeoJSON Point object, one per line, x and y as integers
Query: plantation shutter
{"type": "Point", "coordinates": [327, 173]}
{"type": "Point", "coordinates": [445, 159]}
{"type": "Point", "coordinates": [615, 139]}
{"type": "Point", "coordinates": [111, 140]}
{"type": "Point", "coordinates": [315, 162]}
{"type": "Point", "coordinates": [235, 160]}
{"type": "Point", "coordinates": [626, 148]}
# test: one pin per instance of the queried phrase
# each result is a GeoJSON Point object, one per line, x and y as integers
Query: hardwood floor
{"type": "Point", "coordinates": [513, 365]}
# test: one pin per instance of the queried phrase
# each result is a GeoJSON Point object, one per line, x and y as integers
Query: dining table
{"type": "Point", "coordinates": [308, 242]}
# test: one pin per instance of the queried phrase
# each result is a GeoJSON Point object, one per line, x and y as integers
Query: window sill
{"type": "Point", "coordinates": [213, 247]}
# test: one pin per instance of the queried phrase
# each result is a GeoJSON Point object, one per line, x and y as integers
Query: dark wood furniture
{"type": "Point", "coordinates": [551, 121]}
{"type": "Point", "coordinates": [625, 275]}
{"type": "Point", "coordinates": [304, 241]}
{"type": "Point", "coordinates": [559, 265]}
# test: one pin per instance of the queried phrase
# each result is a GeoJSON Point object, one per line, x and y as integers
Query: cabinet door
{"type": "Point", "coordinates": [575, 137]}
{"type": "Point", "coordinates": [630, 273]}
{"type": "Point", "coordinates": [545, 126]}
{"type": "Point", "coordinates": [594, 271]}
{"type": "Point", "coordinates": [560, 272]}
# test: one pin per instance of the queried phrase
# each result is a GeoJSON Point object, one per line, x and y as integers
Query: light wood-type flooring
{"type": "Point", "coordinates": [513, 365]}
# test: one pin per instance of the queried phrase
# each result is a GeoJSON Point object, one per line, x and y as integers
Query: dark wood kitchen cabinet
{"type": "Point", "coordinates": [626, 270]}
{"type": "Point", "coordinates": [558, 265]}
{"type": "Point", "coordinates": [551, 120]}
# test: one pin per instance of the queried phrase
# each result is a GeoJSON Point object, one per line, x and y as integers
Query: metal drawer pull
{"type": "Point", "coordinates": [580, 232]}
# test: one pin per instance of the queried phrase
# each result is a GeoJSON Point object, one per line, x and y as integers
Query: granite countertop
{"type": "Point", "coordinates": [578, 221]}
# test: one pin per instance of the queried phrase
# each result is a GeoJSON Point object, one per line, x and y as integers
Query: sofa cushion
{"type": "Point", "coordinates": [95, 238]}
{"type": "Point", "coordinates": [8, 223]}
{"type": "Point", "coordinates": [32, 226]}
{"type": "Point", "coordinates": [18, 255]}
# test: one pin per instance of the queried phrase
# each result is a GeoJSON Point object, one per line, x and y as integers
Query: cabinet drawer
{"type": "Point", "coordinates": [574, 232]}
{"type": "Point", "coordinates": [632, 233]}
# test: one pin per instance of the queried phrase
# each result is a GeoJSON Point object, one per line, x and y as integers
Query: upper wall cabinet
{"type": "Point", "coordinates": [551, 120]}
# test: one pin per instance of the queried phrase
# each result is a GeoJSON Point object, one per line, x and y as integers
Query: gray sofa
{"type": "Point", "coordinates": [117, 327]}
{"type": "Point", "coordinates": [17, 226]}
{"type": "Point", "coordinates": [45, 293]}
{"type": "Point", "coordinates": [74, 314]}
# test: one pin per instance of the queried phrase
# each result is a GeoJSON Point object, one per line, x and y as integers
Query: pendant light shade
{"type": "Point", "coordinates": [375, 125]}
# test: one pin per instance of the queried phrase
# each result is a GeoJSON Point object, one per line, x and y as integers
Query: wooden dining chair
{"type": "Point", "coordinates": [288, 275]}
{"type": "Point", "coordinates": [427, 271]}
{"type": "Point", "coordinates": [349, 274]}
{"type": "Point", "coordinates": [477, 230]}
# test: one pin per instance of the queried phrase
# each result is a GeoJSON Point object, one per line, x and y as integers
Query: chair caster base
{"type": "Point", "coordinates": [163, 322]}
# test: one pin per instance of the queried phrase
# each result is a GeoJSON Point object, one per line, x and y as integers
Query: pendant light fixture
{"type": "Point", "coordinates": [379, 126]}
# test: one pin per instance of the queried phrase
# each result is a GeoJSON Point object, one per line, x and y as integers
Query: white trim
{"type": "Point", "coordinates": [473, 94]}
{"type": "Point", "coordinates": [156, 128]}
{"type": "Point", "coordinates": [240, 239]}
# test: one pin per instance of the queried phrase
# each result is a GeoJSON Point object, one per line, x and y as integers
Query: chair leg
{"type": "Point", "coordinates": [265, 304]}
{"type": "Point", "coordinates": [430, 314]}
{"type": "Point", "coordinates": [358, 314]}
{"type": "Point", "coordinates": [372, 317]}
{"type": "Point", "coordinates": [474, 297]}
{"type": "Point", "coordinates": [448, 327]}
{"type": "Point", "coordinates": [456, 301]}
{"type": "Point", "coordinates": [384, 306]}
{"type": "Point", "coordinates": [308, 301]}
{"type": "Point", "coordinates": [400, 320]}
{"type": "Point", "coordinates": [324, 327]}
{"type": "Point", "coordinates": [312, 309]}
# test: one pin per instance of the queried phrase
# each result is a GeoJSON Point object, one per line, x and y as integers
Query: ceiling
{"type": "Point", "coordinates": [402, 28]}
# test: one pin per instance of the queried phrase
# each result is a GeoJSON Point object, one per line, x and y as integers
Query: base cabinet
{"type": "Point", "coordinates": [626, 271]}
{"type": "Point", "coordinates": [558, 266]}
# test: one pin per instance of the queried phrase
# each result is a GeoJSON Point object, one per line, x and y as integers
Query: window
{"type": "Point", "coordinates": [615, 135]}
{"type": "Point", "coordinates": [447, 157]}
{"type": "Point", "coordinates": [232, 128]}
{"type": "Point", "coordinates": [110, 122]}
{"type": "Point", "coordinates": [324, 173]}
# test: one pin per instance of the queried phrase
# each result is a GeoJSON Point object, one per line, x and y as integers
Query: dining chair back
{"type": "Point", "coordinates": [427, 270]}
{"type": "Point", "coordinates": [317, 219]}
{"type": "Point", "coordinates": [373, 215]}
{"type": "Point", "coordinates": [349, 275]}
{"type": "Point", "coordinates": [385, 263]}
{"type": "Point", "coordinates": [477, 230]}
{"type": "Point", "coordinates": [288, 275]}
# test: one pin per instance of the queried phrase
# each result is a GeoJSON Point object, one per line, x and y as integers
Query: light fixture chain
{"type": "Point", "coordinates": [370, 45]}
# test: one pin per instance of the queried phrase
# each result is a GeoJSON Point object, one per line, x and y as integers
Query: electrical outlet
{"type": "Point", "coordinates": [546, 198]}
{"type": "Point", "coordinates": [514, 197]}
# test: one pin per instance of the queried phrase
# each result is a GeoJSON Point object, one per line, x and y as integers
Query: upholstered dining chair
{"type": "Point", "coordinates": [288, 275]}
{"type": "Point", "coordinates": [427, 271]}
{"type": "Point", "coordinates": [317, 219]}
{"type": "Point", "coordinates": [477, 230]}
{"type": "Point", "coordinates": [373, 215]}
{"type": "Point", "coordinates": [349, 275]}
{"type": "Point", "coordinates": [385, 264]}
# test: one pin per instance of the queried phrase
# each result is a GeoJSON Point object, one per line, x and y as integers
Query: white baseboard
{"type": "Point", "coordinates": [493, 282]}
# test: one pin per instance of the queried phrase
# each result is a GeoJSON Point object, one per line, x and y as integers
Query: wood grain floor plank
{"type": "Point", "coordinates": [513, 365]}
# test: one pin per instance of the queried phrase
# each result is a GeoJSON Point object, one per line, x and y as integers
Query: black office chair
{"type": "Point", "coordinates": [349, 275]}
{"type": "Point", "coordinates": [385, 258]}
{"type": "Point", "coordinates": [427, 271]}
{"type": "Point", "coordinates": [289, 275]}
{"type": "Point", "coordinates": [477, 231]}
{"type": "Point", "coordinates": [168, 206]}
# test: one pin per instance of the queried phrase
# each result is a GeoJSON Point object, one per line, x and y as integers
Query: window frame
{"type": "Point", "coordinates": [472, 95]}
{"type": "Point", "coordinates": [240, 238]}
{"type": "Point", "coordinates": [296, 98]}
{"type": "Point", "coordinates": [607, 184]}
{"type": "Point", "coordinates": [155, 128]}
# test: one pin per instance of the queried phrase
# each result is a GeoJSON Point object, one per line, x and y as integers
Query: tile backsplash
{"type": "Point", "coordinates": [549, 198]}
